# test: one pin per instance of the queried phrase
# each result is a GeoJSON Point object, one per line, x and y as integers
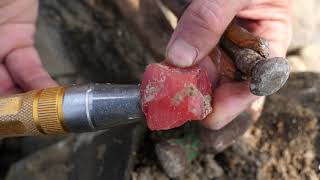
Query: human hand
{"type": "Point", "coordinates": [199, 31]}
{"type": "Point", "coordinates": [20, 65]}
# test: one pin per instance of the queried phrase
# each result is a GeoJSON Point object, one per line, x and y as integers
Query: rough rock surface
{"type": "Point", "coordinates": [172, 96]}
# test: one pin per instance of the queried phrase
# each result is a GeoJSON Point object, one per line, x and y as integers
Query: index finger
{"type": "Point", "coordinates": [26, 69]}
{"type": "Point", "coordinates": [230, 99]}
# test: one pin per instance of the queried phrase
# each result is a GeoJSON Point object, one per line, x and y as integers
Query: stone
{"type": "Point", "coordinates": [172, 96]}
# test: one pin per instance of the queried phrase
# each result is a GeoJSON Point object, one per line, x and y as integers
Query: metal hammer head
{"type": "Point", "coordinates": [268, 76]}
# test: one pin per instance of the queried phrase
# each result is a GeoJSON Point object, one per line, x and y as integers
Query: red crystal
{"type": "Point", "coordinates": [171, 96]}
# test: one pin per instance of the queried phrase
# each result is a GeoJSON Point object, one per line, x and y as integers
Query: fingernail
{"type": "Point", "coordinates": [181, 53]}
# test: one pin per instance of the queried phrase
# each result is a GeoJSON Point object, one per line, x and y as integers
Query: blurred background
{"type": "Point", "coordinates": [82, 41]}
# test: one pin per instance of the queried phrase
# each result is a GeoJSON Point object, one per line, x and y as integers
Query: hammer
{"type": "Point", "coordinates": [250, 55]}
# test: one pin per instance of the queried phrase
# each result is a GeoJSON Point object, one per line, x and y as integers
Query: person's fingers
{"type": "Point", "coordinates": [274, 24]}
{"type": "Point", "coordinates": [199, 30]}
{"type": "Point", "coordinates": [279, 40]}
{"type": "Point", "coordinates": [219, 66]}
{"type": "Point", "coordinates": [230, 97]}
{"type": "Point", "coordinates": [217, 140]}
{"type": "Point", "coordinates": [15, 36]}
{"type": "Point", "coordinates": [273, 10]}
{"type": "Point", "coordinates": [26, 69]}
{"type": "Point", "coordinates": [255, 108]}
{"type": "Point", "coordinates": [7, 85]}
{"type": "Point", "coordinates": [211, 68]}
{"type": "Point", "coordinates": [229, 100]}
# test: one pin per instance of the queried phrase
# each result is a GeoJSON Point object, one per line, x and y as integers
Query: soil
{"type": "Point", "coordinates": [283, 144]}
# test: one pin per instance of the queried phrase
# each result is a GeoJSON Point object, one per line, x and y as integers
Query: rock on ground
{"type": "Point", "coordinates": [283, 144]}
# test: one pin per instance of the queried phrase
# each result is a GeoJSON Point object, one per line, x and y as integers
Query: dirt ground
{"type": "Point", "coordinates": [283, 144]}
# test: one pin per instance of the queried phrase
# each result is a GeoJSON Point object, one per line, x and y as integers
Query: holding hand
{"type": "Point", "coordinates": [199, 31]}
{"type": "Point", "coordinates": [20, 65]}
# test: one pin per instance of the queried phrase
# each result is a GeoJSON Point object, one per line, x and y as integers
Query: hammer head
{"type": "Point", "coordinates": [269, 76]}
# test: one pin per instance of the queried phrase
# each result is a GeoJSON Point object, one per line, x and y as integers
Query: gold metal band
{"type": "Point", "coordinates": [48, 111]}
{"type": "Point", "coordinates": [60, 95]}
{"type": "Point", "coordinates": [35, 112]}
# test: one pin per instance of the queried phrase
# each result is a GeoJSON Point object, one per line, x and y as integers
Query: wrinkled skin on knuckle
{"type": "Point", "coordinates": [209, 16]}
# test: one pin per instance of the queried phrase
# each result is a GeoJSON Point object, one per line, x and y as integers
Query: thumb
{"type": "Point", "coordinates": [200, 29]}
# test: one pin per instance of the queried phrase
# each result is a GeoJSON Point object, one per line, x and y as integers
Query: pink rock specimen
{"type": "Point", "coordinates": [171, 96]}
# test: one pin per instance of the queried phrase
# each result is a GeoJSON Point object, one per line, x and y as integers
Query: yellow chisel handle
{"type": "Point", "coordinates": [32, 113]}
{"type": "Point", "coordinates": [73, 109]}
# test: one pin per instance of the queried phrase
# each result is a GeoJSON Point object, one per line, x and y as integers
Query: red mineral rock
{"type": "Point", "coordinates": [171, 96]}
